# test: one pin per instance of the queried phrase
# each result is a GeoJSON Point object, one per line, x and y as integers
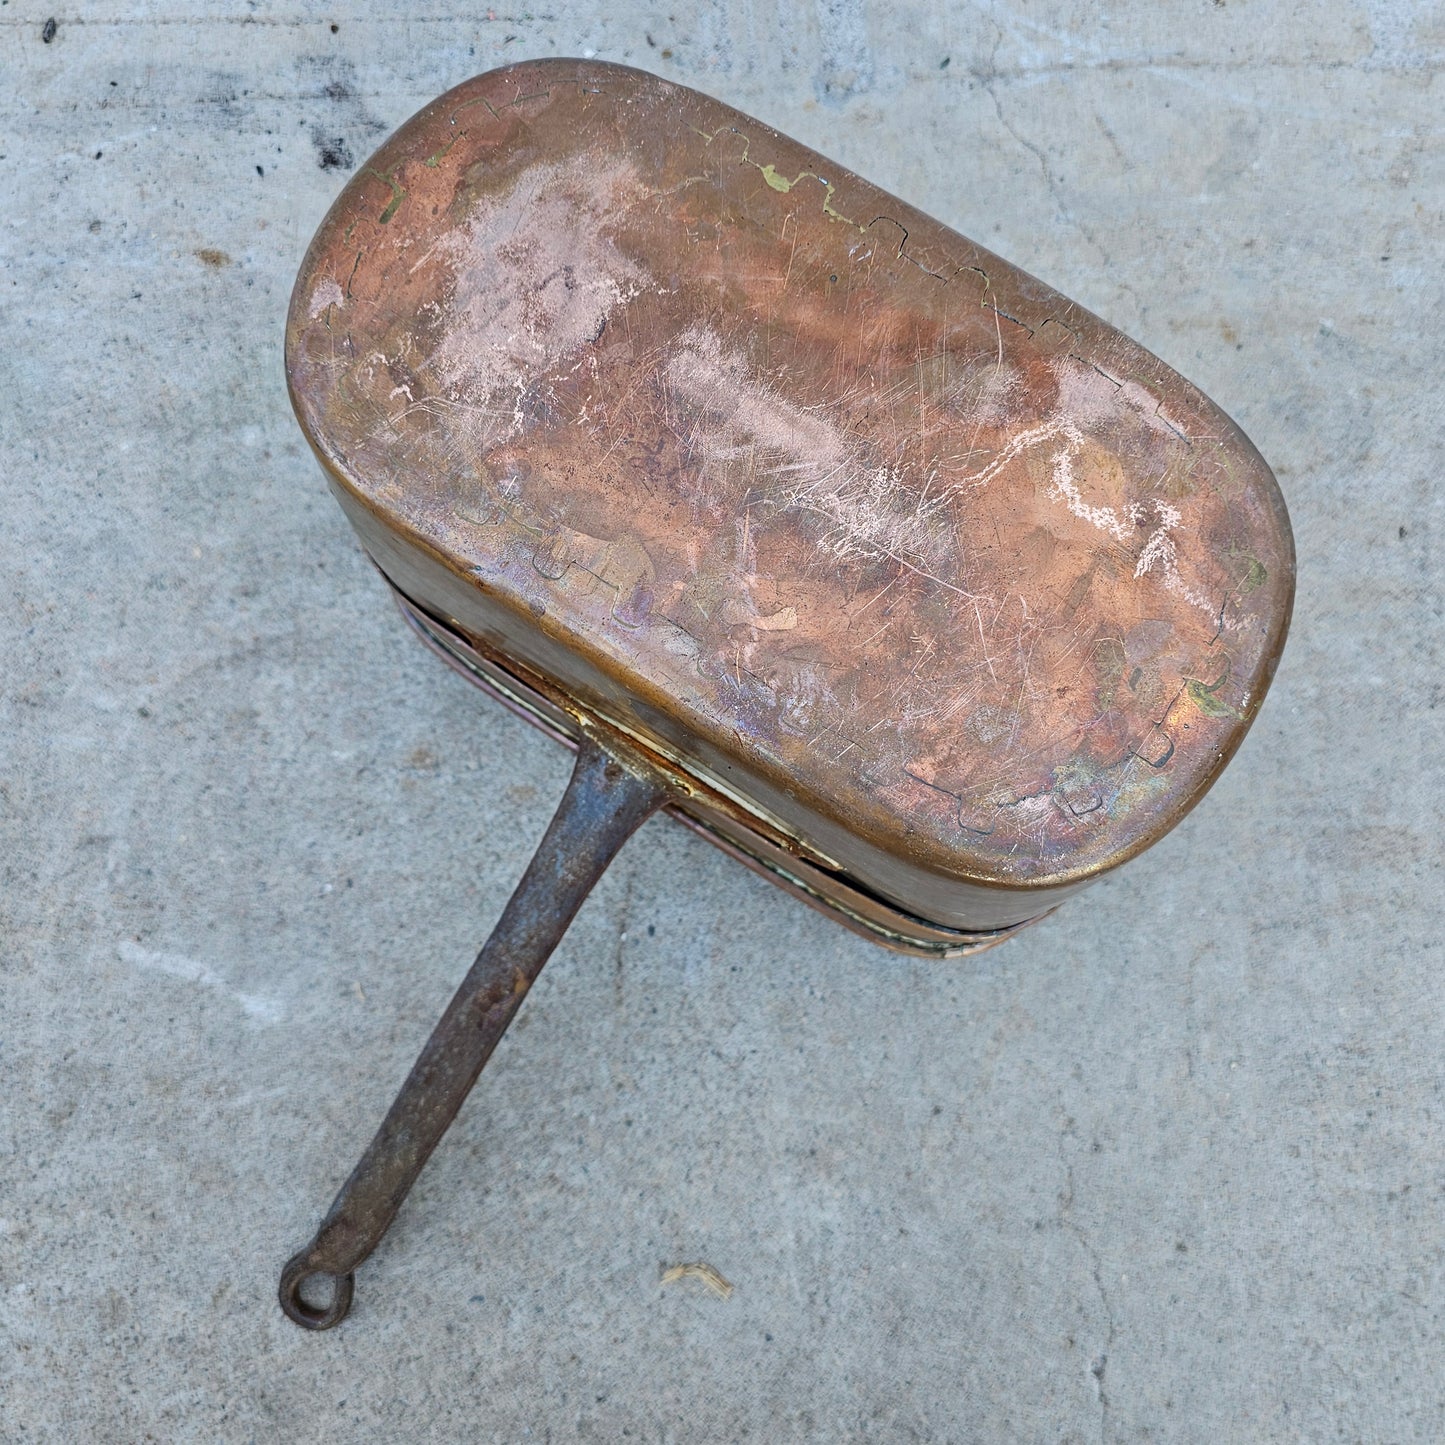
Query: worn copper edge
{"type": "Point", "coordinates": [827, 892]}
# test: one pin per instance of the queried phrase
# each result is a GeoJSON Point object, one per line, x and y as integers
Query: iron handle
{"type": "Point", "coordinates": [611, 793]}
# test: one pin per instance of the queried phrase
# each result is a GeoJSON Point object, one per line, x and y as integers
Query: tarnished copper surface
{"type": "Point", "coordinates": [962, 591]}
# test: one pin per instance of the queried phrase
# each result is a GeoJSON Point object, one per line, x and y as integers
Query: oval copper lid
{"type": "Point", "coordinates": [933, 556]}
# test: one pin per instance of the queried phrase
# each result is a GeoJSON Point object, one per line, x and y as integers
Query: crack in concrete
{"type": "Point", "coordinates": [1100, 1364]}
{"type": "Point", "coordinates": [989, 78]}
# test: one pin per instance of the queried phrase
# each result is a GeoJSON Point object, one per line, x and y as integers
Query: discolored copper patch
{"type": "Point", "coordinates": [963, 592]}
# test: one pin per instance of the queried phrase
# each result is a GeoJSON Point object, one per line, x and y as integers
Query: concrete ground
{"type": "Point", "coordinates": [1168, 1167]}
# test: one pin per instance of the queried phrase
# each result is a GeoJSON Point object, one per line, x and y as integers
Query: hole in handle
{"type": "Point", "coordinates": [298, 1273]}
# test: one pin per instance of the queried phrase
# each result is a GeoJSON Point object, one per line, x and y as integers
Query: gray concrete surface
{"type": "Point", "coordinates": [1169, 1167]}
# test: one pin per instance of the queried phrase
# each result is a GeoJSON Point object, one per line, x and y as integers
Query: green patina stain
{"type": "Point", "coordinates": [1202, 695]}
{"type": "Point", "coordinates": [783, 184]}
{"type": "Point", "coordinates": [437, 157]}
{"type": "Point", "coordinates": [476, 100]}
{"type": "Point", "coordinates": [397, 192]}
{"type": "Point", "coordinates": [1255, 576]}
{"type": "Point", "coordinates": [518, 100]}
{"type": "Point", "coordinates": [828, 209]}
{"type": "Point", "coordinates": [777, 180]}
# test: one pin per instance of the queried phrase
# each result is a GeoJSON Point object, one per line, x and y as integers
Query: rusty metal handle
{"type": "Point", "coordinates": [610, 795]}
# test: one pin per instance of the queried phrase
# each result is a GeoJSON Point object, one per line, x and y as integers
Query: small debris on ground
{"type": "Point", "coordinates": [705, 1272]}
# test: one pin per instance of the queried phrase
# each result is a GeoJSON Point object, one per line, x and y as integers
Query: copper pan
{"type": "Point", "coordinates": [903, 578]}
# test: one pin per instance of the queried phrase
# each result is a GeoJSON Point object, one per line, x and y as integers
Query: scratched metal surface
{"type": "Point", "coordinates": [908, 546]}
{"type": "Point", "coordinates": [1166, 1167]}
